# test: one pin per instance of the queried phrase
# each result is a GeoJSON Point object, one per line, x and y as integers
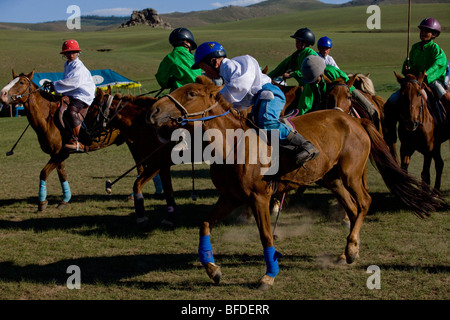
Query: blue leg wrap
{"type": "Point", "coordinates": [205, 253]}
{"type": "Point", "coordinates": [158, 184]}
{"type": "Point", "coordinates": [66, 191]}
{"type": "Point", "coordinates": [42, 190]}
{"type": "Point", "coordinates": [271, 259]}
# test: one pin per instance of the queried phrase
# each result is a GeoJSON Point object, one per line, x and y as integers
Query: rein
{"type": "Point", "coordinates": [183, 120]}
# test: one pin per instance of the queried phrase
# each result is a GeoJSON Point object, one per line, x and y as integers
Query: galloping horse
{"type": "Point", "coordinates": [339, 97]}
{"type": "Point", "coordinates": [417, 128]}
{"type": "Point", "coordinates": [42, 113]}
{"type": "Point", "coordinates": [344, 143]}
{"type": "Point", "coordinates": [127, 113]}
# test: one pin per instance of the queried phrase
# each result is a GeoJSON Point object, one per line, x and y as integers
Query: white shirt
{"type": "Point", "coordinates": [77, 82]}
{"type": "Point", "coordinates": [243, 79]}
{"type": "Point", "coordinates": [328, 60]}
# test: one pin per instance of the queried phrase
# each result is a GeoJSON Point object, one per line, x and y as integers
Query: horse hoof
{"type": "Point", "coordinates": [266, 283]}
{"type": "Point", "coordinates": [142, 223]}
{"type": "Point", "coordinates": [213, 272]}
{"type": "Point", "coordinates": [63, 204]}
{"type": "Point", "coordinates": [42, 205]}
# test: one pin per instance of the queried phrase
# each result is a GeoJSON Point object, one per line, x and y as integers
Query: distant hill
{"type": "Point", "coordinates": [202, 18]}
{"type": "Point", "coordinates": [234, 13]}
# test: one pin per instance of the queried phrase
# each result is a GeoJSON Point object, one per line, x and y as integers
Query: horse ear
{"type": "Point", "coordinates": [109, 90]}
{"type": "Point", "coordinates": [327, 80]}
{"type": "Point", "coordinates": [352, 79]}
{"type": "Point", "coordinates": [30, 75]}
{"type": "Point", "coordinates": [204, 80]}
{"type": "Point", "coordinates": [265, 70]}
{"type": "Point", "coordinates": [399, 77]}
{"type": "Point", "coordinates": [421, 77]}
{"type": "Point", "coordinates": [99, 93]}
{"type": "Point", "coordinates": [14, 74]}
{"type": "Point", "coordinates": [368, 75]}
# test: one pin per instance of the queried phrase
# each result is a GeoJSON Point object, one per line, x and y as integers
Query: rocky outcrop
{"type": "Point", "coordinates": [148, 17]}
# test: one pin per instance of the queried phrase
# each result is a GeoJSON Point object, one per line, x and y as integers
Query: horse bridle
{"type": "Point", "coordinates": [20, 96]}
{"type": "Point", "coordinates": [339, 85]}
{"type": "Point", "coordinates": [418, 122]}
{"type": "Point", "coordinates": [185, 115]}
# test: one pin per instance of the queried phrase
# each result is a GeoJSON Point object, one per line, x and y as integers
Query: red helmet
{"type": "Point", "coordinates": [70, 46]}
{"type": "Point", "coordinates": [432, 24]}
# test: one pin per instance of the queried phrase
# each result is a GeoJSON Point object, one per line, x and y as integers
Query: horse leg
{"type": "Point", "coordinates": [425, 174]}
{"type": "Point", "coordinates": [138, 186]}
{"type": "Point", "coordinates": [355, 199]}
{"type": "Point", "coordinates": [67, 195]}
{"type": "Point", "coordinates": [54, 162]}
{"type": "Point", "coordinates": [166, 180]}
{"type": "Point", "coordinates": [260, 204]}
{"type": "Point", "coordinates": [221, 209]}
{"type": "Point", "coordinates": [439, 165]}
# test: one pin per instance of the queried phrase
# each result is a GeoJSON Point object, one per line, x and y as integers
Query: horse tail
{"type": "Point", "coordinates": [414, 194]}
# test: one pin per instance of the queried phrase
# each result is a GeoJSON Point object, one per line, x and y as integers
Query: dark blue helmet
{"type": "Point", "coordinates": [325, 42]}
{"type": "Point", "coordinates": [208, 50]}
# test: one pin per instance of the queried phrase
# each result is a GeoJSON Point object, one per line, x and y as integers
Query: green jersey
{"type": "Point", "coordinates": [431, 58]}
{"type": "Point", "coordinates": [292, 65]}
{"type": "Point", "coordinates": [313, 95]}
{"type": "Point", "coordinates": [175, 69]}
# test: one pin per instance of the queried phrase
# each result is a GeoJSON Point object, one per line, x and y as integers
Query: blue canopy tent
{"type": "Point", "coordinates": [102, 78]}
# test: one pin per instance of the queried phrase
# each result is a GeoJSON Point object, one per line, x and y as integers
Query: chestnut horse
{"type": "Point", "coordinates": [417, 128]}
{"type": "Point", "coordinates": [339, 97]}
{"type": "Point", "coordinates": [42, 113]}
{"type": "Point", "coordinates": [344, 142]}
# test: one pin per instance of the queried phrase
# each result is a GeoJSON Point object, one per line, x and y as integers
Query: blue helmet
{"type": "Point", "coordinates": [325, 42]}
{"type": "Point", "coordinates": [208, 50]}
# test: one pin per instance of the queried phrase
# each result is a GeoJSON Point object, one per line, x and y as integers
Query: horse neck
{"type": "Point", "coordinates": [39, 111]}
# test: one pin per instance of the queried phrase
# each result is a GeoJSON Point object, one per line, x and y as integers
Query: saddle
{"type": "Point", "coordinates": [286, 119]}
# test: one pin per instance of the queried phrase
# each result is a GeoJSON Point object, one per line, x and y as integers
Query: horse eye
{"type": "Point", "coordinates": [192, 94]}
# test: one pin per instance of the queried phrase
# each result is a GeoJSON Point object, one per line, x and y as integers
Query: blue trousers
{"type": "Point", "coordinates": [268, 104]}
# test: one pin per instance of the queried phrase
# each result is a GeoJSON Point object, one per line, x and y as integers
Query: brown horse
{"type": "Point", "coordinates": [417, 128]}
{"type": "Point", "coordinates": [340, 98]}
{"type": "Point", "coordinates": [344, 142]}
{"type": "Point", "coordinates": [42, 113]}
{"type": "Point", "coordinates": [128, 114]}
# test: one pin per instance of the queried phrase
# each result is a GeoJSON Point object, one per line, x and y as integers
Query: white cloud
{"type": "Point", "coordinates": [241, 3]}
{"type": "Point", "coordinates": [111, 12]}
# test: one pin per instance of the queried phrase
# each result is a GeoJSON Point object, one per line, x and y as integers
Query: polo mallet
{"type": "Point", "coordinates": [409, 27]}
{"type": "Point", "coordinates": [109, 184]}
{"type": "Point", "coordinates": [11, 152]}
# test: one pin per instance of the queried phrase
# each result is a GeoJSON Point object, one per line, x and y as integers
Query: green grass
{"type": "Point", "coordinates": [97, 231]}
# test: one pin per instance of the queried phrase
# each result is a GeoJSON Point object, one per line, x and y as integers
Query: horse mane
{"type": "Point", "coordinates": [365, 84]}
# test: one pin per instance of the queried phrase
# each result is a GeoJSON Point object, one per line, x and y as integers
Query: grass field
{"type": "Point", "coordinates": [97, 231]}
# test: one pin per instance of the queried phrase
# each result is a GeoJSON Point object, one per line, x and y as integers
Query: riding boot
{"type": "Point", "coordinates": [304, 150]}
{"type": "Point", "coordinates": [74, 144]}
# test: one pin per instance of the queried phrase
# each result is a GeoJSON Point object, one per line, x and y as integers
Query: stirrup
{"type": "Point", "coordinates": [76, 146]}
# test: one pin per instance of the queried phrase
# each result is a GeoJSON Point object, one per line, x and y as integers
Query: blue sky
{"type": "Point", "coordinates": [32, 11]}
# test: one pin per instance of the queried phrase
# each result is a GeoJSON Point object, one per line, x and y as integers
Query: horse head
{"type": "Point", "coordinates": [18, 90]}
{"type": "Point", "coordinates": [183, 106]}
{"type": "Point", "coordinates": [338, 94]}
{"type": "Point", "coordinates": [412, 100]}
